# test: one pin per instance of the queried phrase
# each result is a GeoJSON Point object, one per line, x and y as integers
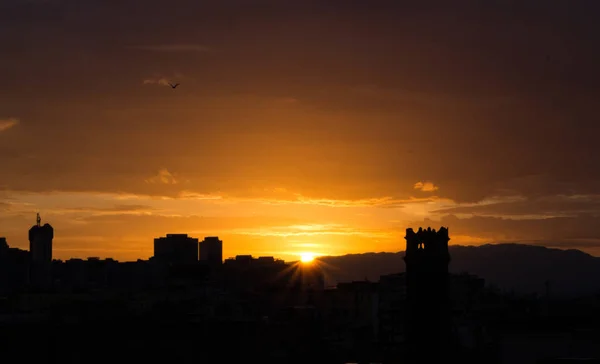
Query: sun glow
{"type": "Point", "coordinates": [307, 257]}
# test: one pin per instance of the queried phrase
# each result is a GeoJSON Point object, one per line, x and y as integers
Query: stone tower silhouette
{"type": "Point", "coordinates": [428, 315]}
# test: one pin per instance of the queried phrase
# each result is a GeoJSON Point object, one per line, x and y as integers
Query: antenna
{"type": "Point", "coordinates": [38, 219]}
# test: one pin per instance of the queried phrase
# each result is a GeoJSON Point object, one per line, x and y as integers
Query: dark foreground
{"type": "Point", "coordinates": [160, 343]}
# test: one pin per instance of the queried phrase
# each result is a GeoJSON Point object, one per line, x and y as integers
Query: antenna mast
{"type": "Point", "coordinates": [38, 219]}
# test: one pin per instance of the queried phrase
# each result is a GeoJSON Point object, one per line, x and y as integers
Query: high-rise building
{"type": "Point", "coordinates": [40, 242]}
{"type": "Point", "coordinates": [176, 249]}
{"type": "Point", "coordinates": [3, 249]}
{"type": "Point", "coordinates": [211, 251]}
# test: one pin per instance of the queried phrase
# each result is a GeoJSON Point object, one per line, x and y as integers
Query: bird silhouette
{"type": "Point", "coordinates": [173, 86]}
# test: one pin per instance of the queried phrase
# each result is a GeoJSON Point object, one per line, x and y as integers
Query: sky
{"type": "Point", "coordinates": [299, 126]}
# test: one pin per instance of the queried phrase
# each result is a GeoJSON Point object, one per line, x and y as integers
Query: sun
{"type": "Point", "coordinates": [307, 257]}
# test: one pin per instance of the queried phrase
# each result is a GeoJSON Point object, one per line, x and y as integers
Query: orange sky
{"type": "Point", "coordinates": [298, 127]}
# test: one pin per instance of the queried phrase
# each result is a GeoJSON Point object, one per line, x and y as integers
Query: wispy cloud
{"type": "Point", "coordinates": [162, 79]}
{"type": "Point", "coordinates": [115, 210]}
{"type": "Point", "coordinates": [164, 177]}
{"type": "Point", "coordinates": [172, 48]}
{"type": "Point", "coordinates": [311, 230]}
{"type": "Point", "coordinates": [387, 201]}
{"type": "Point", "coordinates": [8, 123]}
{"type": "Point", "coordinates": [522, 208]}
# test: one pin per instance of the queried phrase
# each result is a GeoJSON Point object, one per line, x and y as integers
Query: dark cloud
{"type": "Point", "coordinates": [492, 98]}
{"type": "Point", "coordinates": [549, 206]}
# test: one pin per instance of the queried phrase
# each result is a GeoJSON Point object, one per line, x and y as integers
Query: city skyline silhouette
{"type": "Point", "coordinates": [302, 256]}
{"type": "Point", "coordinates": [422, 314]}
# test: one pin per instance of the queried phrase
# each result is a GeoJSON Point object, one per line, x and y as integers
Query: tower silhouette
{"type": "Point", "coordinates": [40, 252]}
{"type": "Point", "coordinates": [428, 315]}
{"type": "Point", "coordinates": [40, 242]}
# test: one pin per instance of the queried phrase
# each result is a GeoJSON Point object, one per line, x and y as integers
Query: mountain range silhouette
{"type": "Point", "coordinates": [518, 268]}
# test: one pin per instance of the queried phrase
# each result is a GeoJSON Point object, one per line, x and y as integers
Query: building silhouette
{"type": "Point", "coordinates": [210, 251]}
{"type": "Point", "coordinates": [14, 268]}
{"type": "Point", "coordinates": [428, 307]}
{"type": "Point", "coordinates": [40, 242]}
{"type": "Point", "coordinates": [40, 255]}
{"type": "Point", "coordinates": [176, 249]}
{"type": "Point", "coordinates": [391, 291]}
{"type": "Point", "coordinates": [3, 245]}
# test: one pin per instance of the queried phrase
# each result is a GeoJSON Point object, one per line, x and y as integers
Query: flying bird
{"type": "Point", "coordinates": [173, 86]}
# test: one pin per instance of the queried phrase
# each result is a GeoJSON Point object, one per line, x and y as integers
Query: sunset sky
{"type": "Point", "coordinates": [299, 126]}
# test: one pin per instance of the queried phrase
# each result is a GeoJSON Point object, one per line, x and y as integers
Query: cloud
{"type": "Point", "coordinates": [8, 123]}
{"type": "Point", "coordinates": [533, 207]}
{"type": "Point", "coordinates": [310, 230]}
{"type": "Point", "coordinates": [164, 177]}
{"type": "Point", "coordinates": [581, 230]}
{"type": "Point", "coordinates": [114, 210]}
{"type": "Point", "coordinates": [173, 48]}
{"type": "Point", "coordinates": [425, 186]}
{"type": "Point", "coordinates": [296, 198]}
{"type": "Point", "coordinates": [163, 80]}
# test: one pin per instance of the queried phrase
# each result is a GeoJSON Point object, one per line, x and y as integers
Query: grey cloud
{"type": "Point", "coordinates": [578, 228]}
{"type": "Point", "coordinates": [548, 206]}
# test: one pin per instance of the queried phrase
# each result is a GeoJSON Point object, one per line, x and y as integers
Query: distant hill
{"type": "Point", "coordinates": [522, 268]}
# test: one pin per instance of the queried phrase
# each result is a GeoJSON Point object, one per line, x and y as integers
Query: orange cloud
{"type": "Point", "coordinates": [164, 177]}
{"type": "Point", "coordinates": [425, 186]}
{"type": "Point", "coordinates": [6, 124]}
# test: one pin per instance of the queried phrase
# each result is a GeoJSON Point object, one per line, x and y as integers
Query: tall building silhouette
{"type": "Point", "coordinates": [3, 249]}
{"type": "Point", "coordinates": [428, 315]}
{"type": "Point", "coordinates": [40, 242]}
{"type": "Point", "coordinates": [211, 251]}
{"type": "Point", "coordinates": [176, 249]}
{"type": "Point", "coordinates": [40, 254]}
